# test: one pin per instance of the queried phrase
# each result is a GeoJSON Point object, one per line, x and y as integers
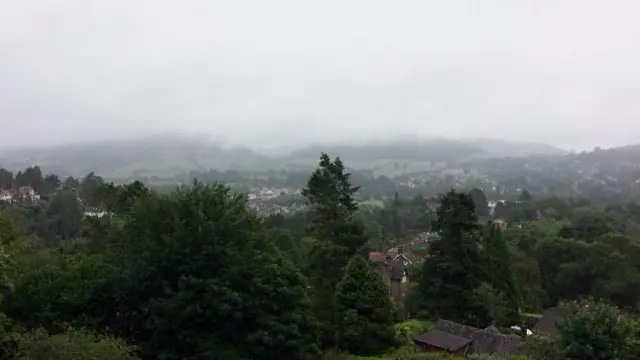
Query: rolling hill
{"type": "Point", "coordinates": [167, 155]}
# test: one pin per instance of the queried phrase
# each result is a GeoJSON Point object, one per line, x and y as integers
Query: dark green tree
{"type": "Point", "coordinates": [525, 196]}
{"type": "Point", "coordinates": [31, 176]}
{"type": "Point", "coordinates": [500, 272]}
{"type": "Point", "coordinates": [500, 211]}
{"type": "Point", "coordinates": [73, 345]}
{"type": "Point", "coordinates": [331, 199]}
{"type": "Point", "coordinates": [69, 289]}
{"type": "Point", "coordinates": [71, 183]}
{"type": "Point", "coordinates": [65, 213]}
{"type": "Point", "coordinates": [207, 283]}
{"type": "Point", "coordinates": [119, 198]}
{"type": "Point", "coordinates": [596, 332]}
{"type": "Point", "coordinates": [88, 190]}
{"type": "Point", "coordinates": [480, 201]}
{"type": "Point", "coordinates": [364, 313]}
{"type": "Point", "coordinates": [455, 267]}
{"type": "Point", "coordinates": [51, 184]}
{"type": "Point", "coordinates": [6, 179]}
{"type": "Point", "coordinates": [587, 224]}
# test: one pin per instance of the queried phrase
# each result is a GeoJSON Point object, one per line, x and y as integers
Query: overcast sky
{"type": "Point", "coordinates": [277, 72]}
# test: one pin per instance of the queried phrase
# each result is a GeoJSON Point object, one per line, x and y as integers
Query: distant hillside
{"type": "Point", "coordinates": [161, 155]}
{"type": "Point", "coordinates": [412, 154]}
{"type": "Point", "coordinates": [400, 151]}
{"type": "Point", "coordinates": [501, 148]}
{"type": "Point", "coordinates": [168, 155]}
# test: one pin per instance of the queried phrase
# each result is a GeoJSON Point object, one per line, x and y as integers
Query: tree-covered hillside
{"type": "Point", "coordinates": [94, 270]}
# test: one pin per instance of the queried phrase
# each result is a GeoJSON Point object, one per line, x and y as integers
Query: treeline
{"type": "Point", "coordinates": [48, 184]}
{"type": "Point", "coordinates": [191, 275]}
{"type": "Point", "coordinates": [195, 274]}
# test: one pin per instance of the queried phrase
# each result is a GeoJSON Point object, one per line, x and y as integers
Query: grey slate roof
{"type": "Point", "coordinates": [442, 340]}
{"type": "Point", "coordinates": [456, 328]}
{"type": "Point", "coordinates": [488, 342]}
{"type": "Point", "coordinates": [483, 341]}
{"type": "Point", "coordinates": [398, 268]}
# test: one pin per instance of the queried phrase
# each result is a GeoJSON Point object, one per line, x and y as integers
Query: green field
{"type": "Point", "coordinates": [373, 202]}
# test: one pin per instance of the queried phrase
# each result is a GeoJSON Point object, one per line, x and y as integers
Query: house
{"type": "Point", "coordinates": [5, 195]}
{"type": "Point", "coordinates": [501, 223]}
{"type": "Point", "coordinates": [393, 267]}
{"type": "Point", "coordinates": [26, 194]}
{"type": "Point", "coordinates": [458, 339]}
{"type": "Point", "coordinates": [95, 214]}
{"type": "Point", "coordinates": [441, 341]}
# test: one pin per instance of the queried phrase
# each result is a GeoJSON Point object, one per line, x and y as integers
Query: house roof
{"type": "Point", "coordinates": [493, 329]}
{"type": "Point", "coordinates": [442, 340]}
{"type": "Point", "coordinates": [487, 341]}
{"type": "Point", "coordinates": [547, 323]}
{"type": "Point", "coordinates": [398, 269]}
{"type": "Point", "coordinates": [484, 341]}
{"type": "Point", "coordinates": [403, 257]}
{"type": "Point", "coordinates": [377, 256]}
{"type": "Point", "coordinates": [455, 328]}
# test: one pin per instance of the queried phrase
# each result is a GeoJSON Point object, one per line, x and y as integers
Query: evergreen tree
{"type": "Point", "coordinates": [480, 201]}
{"type": "Point", "coordinates": [65, 213]}
{"type": "Point", "coordinates": [501, 210]}
{"type": "Point", "coordinates": [455, 266]}
{"type": "Point", "coordinates": [88, 190]}
{"type": "Point", "coordinates": [339, 236]}
{"type": "Point", "coordinates": [6, 179]}
{"type": "Point", "coordinates": [500, 272]}
{"type": "Point", "coordinates": [364, 313]}
{"type": "Point", "coordinates": [51, 184]}
{"type": "Point", "coordinates": [525, 196]}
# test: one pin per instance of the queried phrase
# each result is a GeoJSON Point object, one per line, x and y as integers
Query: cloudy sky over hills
{"type": "Point", "coordinates": [270, 73]}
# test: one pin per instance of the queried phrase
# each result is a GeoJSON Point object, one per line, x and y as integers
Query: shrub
{"type": "Point", "coordinates": [73, 345]}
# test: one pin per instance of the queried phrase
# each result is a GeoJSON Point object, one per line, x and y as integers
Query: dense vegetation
{"type": "Point", "coordinates": [195, 274]}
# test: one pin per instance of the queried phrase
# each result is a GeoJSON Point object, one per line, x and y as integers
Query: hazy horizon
{"type": "Point", "coordinates": [286, 73]}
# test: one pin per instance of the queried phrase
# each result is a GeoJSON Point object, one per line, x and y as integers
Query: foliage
{"type": "Point", "coordinates": [542, 348]}
{"type": "Point", "coordinates": [406, 330]}
{"type": "Point", "coordinates": [480, 202]}
{"type": "Point", "coordinates": [339, 236]}
{"type": "Point", "coordinates": [65, 213]}
{"type": "Point", "coordinates": [209, 282]}
{"type": "Point", "coordinates": [194, 273]}
{"type": "Point", "coordinates": [73, 345]}
{"type": "Point", "coordinates": [501, 277]}
{"type": "Point", "coordinates": [455, 267]}
{"type": "Point", "coordinates": [364, 313]}
{"type": "Point", "coordinates": [595, 331]}
{"type": "Point", "coordinates": [70, 289]}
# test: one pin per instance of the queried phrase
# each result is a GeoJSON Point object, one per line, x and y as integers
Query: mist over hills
{"type": "Point", "coordinates": [170, 154]}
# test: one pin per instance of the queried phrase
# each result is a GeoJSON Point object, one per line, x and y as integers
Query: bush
{"type": "Point", "coordinates": [406, 330]}
{"type": "Point", "coordinates": [73, 345]}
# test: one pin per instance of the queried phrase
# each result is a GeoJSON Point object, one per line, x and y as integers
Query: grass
{"type": "Point", "coordinates": [373, 203]}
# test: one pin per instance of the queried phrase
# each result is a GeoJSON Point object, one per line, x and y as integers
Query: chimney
{"type": "Point", "coordinates": [400, 249]}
